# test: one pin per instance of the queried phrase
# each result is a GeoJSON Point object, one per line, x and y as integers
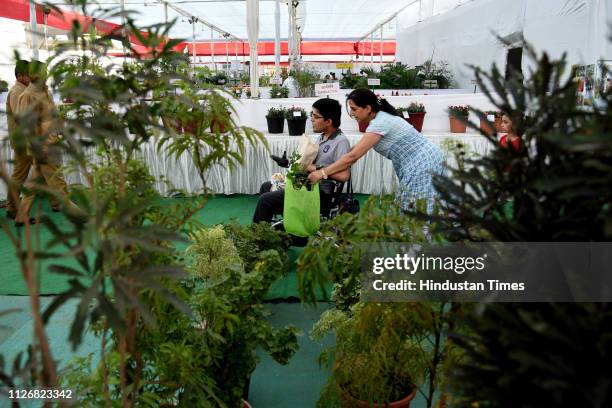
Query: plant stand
{"type": "Point", "coordinates": [276, 125]}
{"type": "Point", "coordinates": [297, 127]}
{"type": "Point", "coordinates": [456, 125]}
{"type": "Point", "coordinates": [416, 120]}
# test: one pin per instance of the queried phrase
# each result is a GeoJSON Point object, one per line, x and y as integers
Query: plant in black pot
{"type": "Point", "coordinates": [296, 120]}
{"type": "Point", "coordinates": [277, 91]}
{"type": "Point", "coordinates": [276, 120]}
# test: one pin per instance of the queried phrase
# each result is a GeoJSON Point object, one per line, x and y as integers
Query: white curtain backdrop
{"type": "Point", "coordinates": [253, 31]}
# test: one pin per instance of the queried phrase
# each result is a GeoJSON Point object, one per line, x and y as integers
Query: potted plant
{"type": "Point", "coordinates": [416, 115]}
{"type": "Point", "coordinates": [227, 297]}
{"type": "Point", "coordinates": [379, 358]}
{"type": "Point", "coordinates": [458, 115]}
{"type": "Point", "coordinates": [276, 120]}
{"type": "Point", "coordinates": [277, 91]}
{"type": "Point", "coordinates": [493, 118]}
{"type": "Point", "coordinates": [296, 120]}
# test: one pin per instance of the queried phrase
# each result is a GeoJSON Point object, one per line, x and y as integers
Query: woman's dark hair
{"type": "Point", "coordinates": [329, 109]}
{"type": "Point", "coordinates": [363, 97]}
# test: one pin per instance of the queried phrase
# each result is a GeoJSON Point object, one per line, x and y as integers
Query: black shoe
{"type": "Point", "coordinates": [55, 209]}
{"type": "Point", "coordinates": [32, 222]}
{"type": "Point", "coordinates": [11, 215]}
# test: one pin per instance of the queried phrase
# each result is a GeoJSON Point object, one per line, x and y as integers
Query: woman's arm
{"type": "Point", "coordinates": [345, 162]}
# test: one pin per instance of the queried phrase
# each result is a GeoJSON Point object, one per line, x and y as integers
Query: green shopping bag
{"type": "Point", "coordinates": [302, 208]}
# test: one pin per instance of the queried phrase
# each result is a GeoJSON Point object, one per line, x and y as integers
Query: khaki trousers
{"type": "Point", "coordinates": [22, 162]}
{"type": "Point", "coordinates": [50, 173]}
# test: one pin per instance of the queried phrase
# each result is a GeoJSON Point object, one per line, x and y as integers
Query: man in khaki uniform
{"type": "Point", "coordinates": [36, 111]}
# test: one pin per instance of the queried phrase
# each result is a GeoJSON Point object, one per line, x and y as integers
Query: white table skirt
{"type": "Point", "coordinates": [372, 174]}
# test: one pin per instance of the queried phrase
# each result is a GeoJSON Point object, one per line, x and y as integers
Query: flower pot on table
{"type": "Point", "coordinates": [276, 125]}
{"type": "Point", "coordinates": [485, 126]}
{"type": "Point", "coordinates": [297, 127]}
{"type": "Point", "coordinates": [457, 125]}
{"type": "Point", "coordinates": [416, 120]}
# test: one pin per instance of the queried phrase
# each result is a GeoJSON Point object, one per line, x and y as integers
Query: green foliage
{"type": "Point", "coordinates": [290, 113]}
{"type": "Point", "coordinates": [399, 76]}
{"type": "Point", "coordinates": [335, 255]}
{"type": "Point", "coordinates": [558, 186]}
{"type": "Point", "coordinates": [211, 252]}
{"type": "Point", "coordinates": [277, 91]}
{"type": "Point", "coordinates": [276, 112]}
{"type": "Point", "coordinates": [297, 173]}
{"type": "Point", "coordinates": [252, 239]}
{"type": "Point", "coordinates": [459, 111]}
{"type": "Point", "coordinates": [305, 79]}
{"type": "Point", "coordinates": [414, 107]}
{"type": "Point", "coordinates": [384, 350]}
{"type": "Point", "coordinates": [438, 71]}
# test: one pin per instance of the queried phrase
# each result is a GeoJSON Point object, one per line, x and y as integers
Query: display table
{"type": "Point", "coordinates": [372, 174]}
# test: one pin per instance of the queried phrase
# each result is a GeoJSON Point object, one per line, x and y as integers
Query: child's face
{"type": "Point", "coordinates": [506, 124]}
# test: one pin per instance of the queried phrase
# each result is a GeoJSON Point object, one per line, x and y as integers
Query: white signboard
{"type": "Point", "coordinates": [276, 81]}
{"type": "Point", "coordinates": [374, 81]}
{"type": "Point", "coordinates": [327, 89]}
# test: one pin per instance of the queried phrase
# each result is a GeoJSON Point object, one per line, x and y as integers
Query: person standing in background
{"type": "Point", "coordinates": [37, 117]}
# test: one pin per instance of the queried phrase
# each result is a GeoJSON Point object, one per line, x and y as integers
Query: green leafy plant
{"type": "Point", "coordinates": [212, 252]}
{"type": "Point", "coordinates": [276, 112]}
{"type": "Point", "coordinates": [414, 107]}
{"type": "Point", "coordinates": [305, 79]}
{"type": "Point", "coordinates": [297, 174]}
{"type": "Point", "coordinates": [124, 270]}
{"type": "Point", "coordinates": [292, 113]}
{"type": "Point", "coordinates": [554, 188]}
{"type": "Point", "coordinates": [459, 111]}
{"type": "Point", "coordinates": [277, 91]}
{"type": "Point", "coordinates": [437, 71]}
{"type": "Point", "coordinates": [399, 76]}
{"type": "Point", "coordinates": [384, 350]}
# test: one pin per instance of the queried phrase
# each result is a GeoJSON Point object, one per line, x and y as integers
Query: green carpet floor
{"type": "Point", "coordinates": [219, 209]}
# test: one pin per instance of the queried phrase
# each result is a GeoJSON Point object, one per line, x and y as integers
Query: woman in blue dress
{"type": "Point", "coordinates": [415, 158]}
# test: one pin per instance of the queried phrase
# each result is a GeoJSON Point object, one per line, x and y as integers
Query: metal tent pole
{"type": "Point", "coordinates": [381, 48]}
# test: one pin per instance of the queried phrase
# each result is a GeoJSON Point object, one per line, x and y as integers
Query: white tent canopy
{"type": "Point", "coordinates": [463, 32]}
{"type": "Point", "coordinates": [324, 19]}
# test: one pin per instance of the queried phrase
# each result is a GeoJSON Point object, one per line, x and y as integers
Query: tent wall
{"type": "Point", "coordinates": [467, 33]}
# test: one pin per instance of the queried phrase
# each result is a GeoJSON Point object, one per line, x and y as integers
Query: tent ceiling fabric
{"type": "Point", "coordinates": [325, 19]}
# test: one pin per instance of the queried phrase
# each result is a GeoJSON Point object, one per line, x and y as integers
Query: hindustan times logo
{"type": "Point", "coordinates": [412, 264]}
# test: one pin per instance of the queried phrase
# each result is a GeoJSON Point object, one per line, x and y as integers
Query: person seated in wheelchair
{"type": "Point", "coordinates": [325, 118]}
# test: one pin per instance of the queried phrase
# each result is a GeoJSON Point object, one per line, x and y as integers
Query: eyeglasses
{"type": "Point", "coordinates": [315, 116]}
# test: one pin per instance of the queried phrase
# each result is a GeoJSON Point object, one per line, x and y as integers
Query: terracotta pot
{"type": "Point", "coordinates": [457, 126]}
{"type": "Point", "coordinates": [217, 125]}
{"type": "Point", "coordinates": [297, 127]}
{"type": "Point", "coordinates": [174, 123]}
{"type": "Point", "coordinates": [191, 126]}
{"type": "Point", "coordinates": [350, 402]}
{"type": "Point", "coordinates": [363, 126]}
{"type": "Point", "coordinates": [276, 125]}
{"type": "Point", "coordinates": [486, 128]}
{"type": "Point", "coordinates": [416, 120]}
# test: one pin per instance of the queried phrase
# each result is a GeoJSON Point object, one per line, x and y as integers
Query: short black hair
{"type": "Point", "coordinates": [21, 67]}
{"type": "Point", "coordinates": [329, 109]}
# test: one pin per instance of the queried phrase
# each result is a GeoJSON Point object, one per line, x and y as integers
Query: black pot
{"type": "Point", "coordinates": [297, 127]}
{"type": "Point", "coordinates": [276, 125]}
